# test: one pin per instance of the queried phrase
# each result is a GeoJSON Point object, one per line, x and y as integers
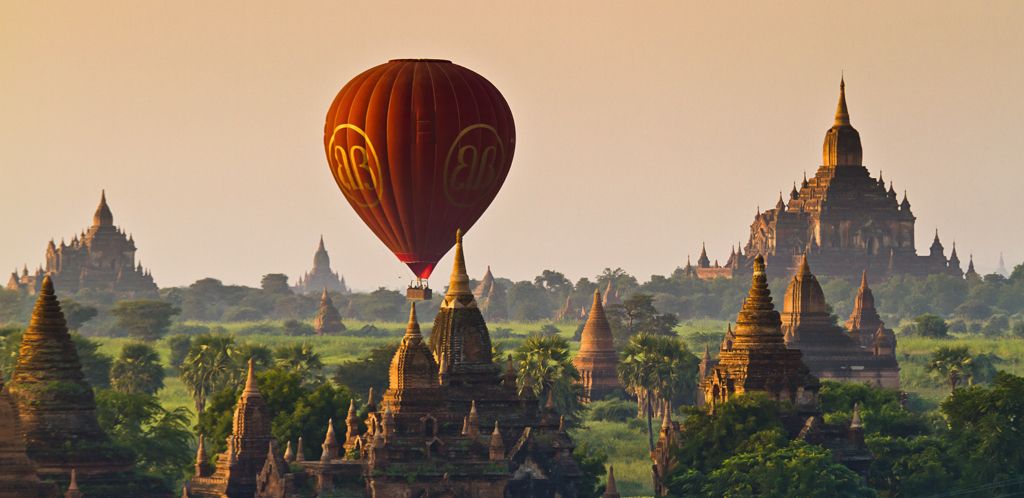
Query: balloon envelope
{"type": "Point", "coordinates": [419, 148]}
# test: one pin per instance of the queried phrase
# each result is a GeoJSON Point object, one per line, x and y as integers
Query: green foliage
{"type": "Point", "coordinates": [215, 362]}
{"type": "Point", "coordinates": [379, 305]}
{"type": "Point", "coordinates": [160, 439]}
{"type": "Point", "coordinates": [529, 302]}
{"type": "Point", "coordinates": [77, 314]}
{"type": "Point", "coordinates": [954, 364]}
{"type": "Point", "coordinates": [297, 407]}
{"type": "Point", "coordinates": [300, 358]}
{"type": "Point", "coordinates": [297, 328]}
{"type": "Point", "coordinates": [95, 365]}
{"type": "Point", "coordinates": [137, 370]}
{"type": "Point", "coordinates": [370, 370]}
{"type": "Point", "coordinates": [544, 368]}
{"type": "Point", "coordinates": [987, 431]}
{"type": "Point", "coordinates": [911, 466]}
{"type": "Point", "coordinates": [146, 320]}
{"type": "Point", "coordinates": [10, 342]}
{"type": "Point", "coordinates": [179, 344]}
{"type": "Point", "coordinates": [611, 410]}
{"type": "Point", "coordinates": [795, 469]}
{"type": "Point", "coordinates": [661, 365]}
{"type": "Point", "coordinates": [928, 325]}
{"type": "Point", "coordinates": [592, 463]}
{"type": "Point", "coordinates": [275, 283]}
{"type": "Point", "coordinates": [882, 410]}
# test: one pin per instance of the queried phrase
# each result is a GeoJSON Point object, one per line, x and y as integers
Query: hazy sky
{"type": "Point", "coordinates": [643, 127]}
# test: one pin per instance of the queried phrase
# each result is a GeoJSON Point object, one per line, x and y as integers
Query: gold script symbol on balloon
{"type": "Point", "coordinates": [355, 166]}
{"type": "Point", "coordinates": [471, 168]}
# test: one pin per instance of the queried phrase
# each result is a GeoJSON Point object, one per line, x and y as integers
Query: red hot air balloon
{"type": "Point", "coordinates": [419, 148]}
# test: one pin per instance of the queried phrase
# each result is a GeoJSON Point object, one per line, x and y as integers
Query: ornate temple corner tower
{"type": "Point", "coordinates": [828, 350]}
{"type": "Point", "coordinates": [431, 435]}
{"type": "Point", "coordinates": [18, 478]}
{"type": "Point", "coordinates": [321, 276]}
{"type": "Point", "coordinates": [327, 320]}
{"type": "Point", "coordinates": [597, 360]}
{"type": "Point", "coordinates": [57, 411]}
{"type": "Point", "coordinates": [758, 359]}
{"type": "Point", "coordinates": [238, 466]}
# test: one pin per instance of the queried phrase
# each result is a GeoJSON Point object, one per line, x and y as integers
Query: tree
{"type": "Point", "coordinates": [657, 369]}
{"type": "Point", "coordinates": [146, 319]}
{"type": "Point", "coordinates": [210, 365]}
{"type": "Point", "coordinates": [179, 345]}
{"type": "Point", "coordinates": [300, 358]}
{"type": "Point", "coordinates": [296, 407]}
{"type": "Point", "coordinates": [160, 438]}
{"type": "Point", "coordinates": [553, 281]}
{"type": "Point", "coordinates": [275, 283]}
{"type": "Point", "coordinates": [544, 368]}
{"type": "Point", "coordinates": [794, 469]}
{"type": "Point", "coordinates": [987, 433]}
{"type": "Point", "coordinates": [739, 425]}
{"type": "Point", "coordinates": [370, 370]}
{"type": "Point", "coordinates": [929, 325]}
{"type": "Point", "coordinates": [95, 365]}
{"type": "Point", "coordinates": [528, 302]}
{"type": "Point", "coordinates": [137, 370]}
{"type": "Point", "coordinates": [77, 314]}
{"type": "Point", "coordinates": [297, 328]}
{"type": "Point", "coordinates": [951, 363]}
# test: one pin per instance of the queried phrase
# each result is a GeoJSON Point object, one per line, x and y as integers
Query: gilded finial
{"type": "Point", "coordinates": [458, 285]}
{"type": "Point", "coordinates": [842, 113]}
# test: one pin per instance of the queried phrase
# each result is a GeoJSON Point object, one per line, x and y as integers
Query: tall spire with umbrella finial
{"type": "Point", "coordinates": [842, 113]}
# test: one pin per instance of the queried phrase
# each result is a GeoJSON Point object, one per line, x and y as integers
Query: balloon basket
{"type": "Point", "coordinates": [419, 292]}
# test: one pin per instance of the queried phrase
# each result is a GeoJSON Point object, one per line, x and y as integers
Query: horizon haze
{"type": "Point", "coordinates": [643, 130]}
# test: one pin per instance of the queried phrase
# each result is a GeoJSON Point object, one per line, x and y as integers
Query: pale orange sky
{"type": "Point", "coordinates": [643, 127]}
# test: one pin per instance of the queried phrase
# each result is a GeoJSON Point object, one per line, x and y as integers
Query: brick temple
{"type": "Point", "coordinates": [101, 258]}
{"type": "Point", "coordinates": [755, 358]}
{"type": "Point", "coordinates": [450, 424]}
{"type": "Point", "coordinates": [597, 360]}
{"type": "Point", "coordinates": [844, 220]}
{"type": "Point", "coordinates": [321, 276]}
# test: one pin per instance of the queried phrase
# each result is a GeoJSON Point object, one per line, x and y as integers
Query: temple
{"type": "Point", "coordinates": [238, 466]}
{"type": "Point", "coordinates": [101, 258]}
{"type": "Point", "coordinates": [321, 276]}
{"type": "Point", "coordinates": [57, 411]}
{"type": "Point", "coordinates": [597, 360]}
{"type": "Point", "coordinates": [842, 218]}
{"type": "Point", "coordinates": [490, 297]}
{"type": "Point", "coordinates": [451, 424]}
{"type": "Point", "coordinates": [865, 354]}
{"type": "Point", "coordinates": [327, 320]}
{"type": "Point", "coordinates": [754, 358]}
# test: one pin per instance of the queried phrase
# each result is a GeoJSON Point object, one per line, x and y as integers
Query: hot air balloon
{"type": "Point", "coordinates": [419, 148]}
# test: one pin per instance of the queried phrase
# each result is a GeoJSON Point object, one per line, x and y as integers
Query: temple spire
{"type": "Point", "coordinates": [458, 285]}
{"type": "Point", "coordinates": [103, 216]}
{"type": "Point", "coordinates": [842, 113]}
{"type": "Point", "coordinates": [250, 382]}
{"type": "Point", "coordinates": [412, 329]}
{"type": "Point", "coordinates": [610, 489]}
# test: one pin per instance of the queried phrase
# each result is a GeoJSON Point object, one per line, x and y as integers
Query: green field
{"type": "Point", "coordinates": [624, 443]}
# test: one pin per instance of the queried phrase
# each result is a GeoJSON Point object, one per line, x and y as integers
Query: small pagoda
{"type": "Point", "coordinates": [57, 411]}
{"type": "Point", "coordinates": [756, 357]}
{"type": "Point", "coordinates": [237, 467]}
{"type": "Point", "coordinates": [597, 360]}
{"type": "Point", "coordinates": [327, 320]}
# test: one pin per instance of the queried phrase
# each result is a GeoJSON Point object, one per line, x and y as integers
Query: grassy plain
{"type": "Point", "coordinates": [624, 443]}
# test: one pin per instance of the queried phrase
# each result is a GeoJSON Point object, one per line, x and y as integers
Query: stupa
{"type": "Point", "coordinates": [597, 360]}
{"type": "Point", "coordinates": [18, 478]}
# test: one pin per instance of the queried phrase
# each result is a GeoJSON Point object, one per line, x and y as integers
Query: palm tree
{"type": "Point", "coordinates": [544, 368]}
{"type": "Point", "coordinates": [656, 369]}
{"type": "Point", "coordinates": [137, 370]}
{"type": "Point", "coordinates": [299, 358]}
{"type": "Point", "coordinates": [953, 364]}
{"type": "Point", "coordinates": [209, 365]}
